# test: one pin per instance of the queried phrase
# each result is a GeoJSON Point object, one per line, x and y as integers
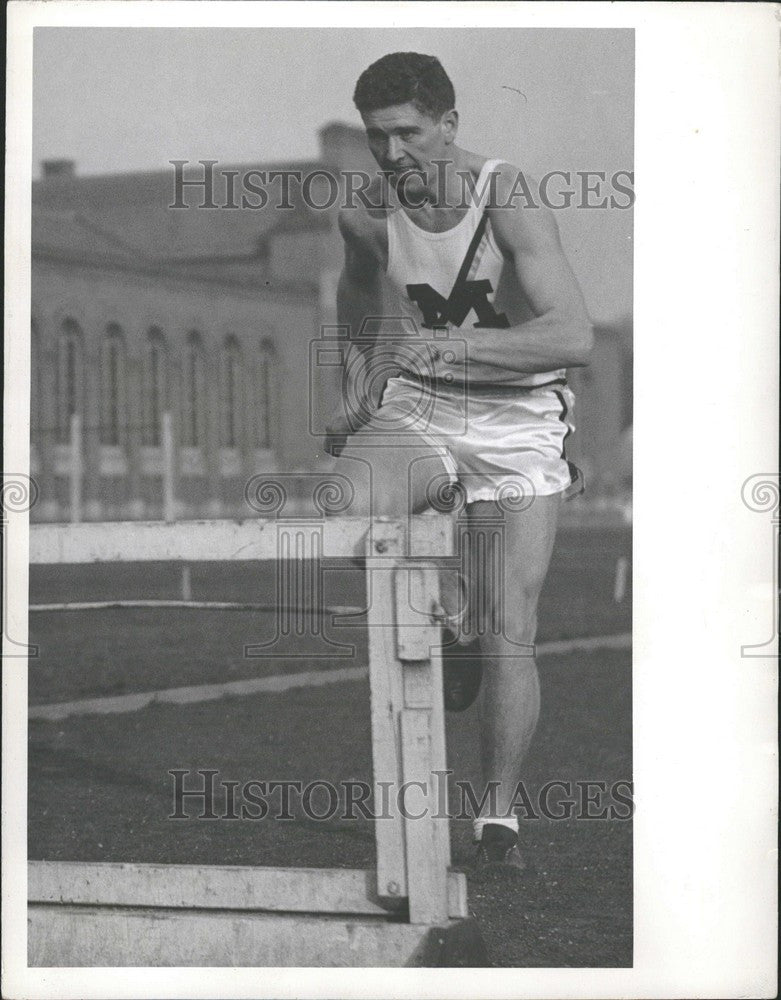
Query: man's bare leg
{"type": "Point", "coordinates": [510, 695]}
{"type": "Point", "coordinates": [392, 475]}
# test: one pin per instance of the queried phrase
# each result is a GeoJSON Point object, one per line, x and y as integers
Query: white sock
{"type": "Point", "coordinates": [511, 822]}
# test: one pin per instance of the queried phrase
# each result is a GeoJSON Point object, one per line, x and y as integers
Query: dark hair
{"type": "Point", "coordinates": [405, 78]}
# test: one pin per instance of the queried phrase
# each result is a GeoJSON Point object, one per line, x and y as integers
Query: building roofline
{"type": "Point", "coordinates": [298, 289]}
{"type": "Point", "coordinates": [84, 180]}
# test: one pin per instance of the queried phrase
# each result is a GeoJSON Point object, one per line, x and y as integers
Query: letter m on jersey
{"type": "Point", "coordinates": [466, 296]}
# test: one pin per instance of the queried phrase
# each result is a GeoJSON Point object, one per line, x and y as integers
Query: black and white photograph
{"type": "Point", "coordinates": [334, 529]}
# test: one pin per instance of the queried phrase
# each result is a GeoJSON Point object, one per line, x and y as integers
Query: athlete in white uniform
{"type": "Point", "coordinates": [485, 280]}
{"type": "Point", "coordinates": [496, 435]}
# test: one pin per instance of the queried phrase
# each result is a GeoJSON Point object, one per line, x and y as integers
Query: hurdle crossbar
{"type": "Point", "coordinates": [221, 541]}
{"type": "Point", "coordinates": [412, 909]}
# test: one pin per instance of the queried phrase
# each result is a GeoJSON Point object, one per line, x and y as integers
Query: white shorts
{"type": "Point", "coordinates": [494, 441]}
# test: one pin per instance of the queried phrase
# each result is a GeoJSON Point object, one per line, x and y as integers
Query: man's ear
{"type": "Point", "coordinates": [449, 125]}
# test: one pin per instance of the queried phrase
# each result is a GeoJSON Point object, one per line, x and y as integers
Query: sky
{"type": "Point", "coordinates": [127, 99]}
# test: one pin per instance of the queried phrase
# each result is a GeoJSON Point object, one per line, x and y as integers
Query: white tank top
{"type": "Point", "coordinates": [424, 269]}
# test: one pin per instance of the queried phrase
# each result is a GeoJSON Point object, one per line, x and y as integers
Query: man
{"type": "Point", "coordinates": [472, 263]}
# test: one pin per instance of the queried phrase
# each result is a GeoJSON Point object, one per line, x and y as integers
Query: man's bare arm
{"type": "Point", "coordinates": [358, 295]}
{"type": "Point", "coordinates": [560, 335]}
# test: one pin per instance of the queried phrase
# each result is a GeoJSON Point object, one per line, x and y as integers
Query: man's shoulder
{"type": "Point", "coordinates": [518, 213]}
{"type": "Point", "coordinates": [504, 185]}
{"type": "Point", "coordinates": [512, 186]}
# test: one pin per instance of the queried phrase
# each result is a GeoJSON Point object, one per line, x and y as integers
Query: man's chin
{"type": "Point", "coordinates": [404, 175]}
{"type": "Point", "coordinates": [410, 187]}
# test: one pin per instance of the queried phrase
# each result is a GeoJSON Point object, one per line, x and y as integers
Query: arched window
{"type": "Point", "coordinates": [155, 397]}
{"type": "Point", "coordinates": [194, 393]}
{"type": "Point", "coordinates": [264, 382]}
{"type": "Point", "coordinates": [112, 386]}
{"type": "Point", "coordinates": [68, 377]}
{"type": "Point", "coordinates": [231, 394]}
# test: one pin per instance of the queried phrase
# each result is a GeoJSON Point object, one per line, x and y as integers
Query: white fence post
{"type": "Point", "coordinates": [169, 500]}
{"type": "Point", "coordinates": [76, 467]}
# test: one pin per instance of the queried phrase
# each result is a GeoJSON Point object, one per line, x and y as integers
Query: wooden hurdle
{"type": "Point", "coordinates": [410, 911]}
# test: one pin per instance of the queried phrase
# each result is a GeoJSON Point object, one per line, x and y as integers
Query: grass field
{"type": "Point", "coordinates": [99, 787]}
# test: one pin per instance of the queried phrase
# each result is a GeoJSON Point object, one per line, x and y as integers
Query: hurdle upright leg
{"type": "Point", "coordinates": [413, 850]}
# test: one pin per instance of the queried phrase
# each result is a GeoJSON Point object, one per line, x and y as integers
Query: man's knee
{"type": "Point", "coordinates": [519, 616]}
{"type": "Point", "coordinates": [521, 600]}
{"type": "Point", "coordinates": [373, 492]}
{"type": "Point", "coordinates": [506, 606]}
{"type": "Point", "coordinates": [518, 625]}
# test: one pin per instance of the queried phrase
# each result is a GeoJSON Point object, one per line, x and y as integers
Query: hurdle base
{"type": "Point", "coordinates": [103, 914]}
{"type": "Point", "coordinates": [113, 937]}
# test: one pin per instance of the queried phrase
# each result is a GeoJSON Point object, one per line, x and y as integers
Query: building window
{"type": "Point", "coordinates": [112, 386]}
{"type": "Point", "coordinates": [231, 395]}
{"type": "Point", "coordinates": [68, 377]}
{"type": "Point", "coordinates": [155, 398]}
{"type": "Point", "coordinates": [264, 382]}
{"type": "Point", "coordinates": [194, 394]}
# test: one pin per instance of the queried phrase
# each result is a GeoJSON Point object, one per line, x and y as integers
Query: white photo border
{"type": "Point", "coordinates": [706, 405]}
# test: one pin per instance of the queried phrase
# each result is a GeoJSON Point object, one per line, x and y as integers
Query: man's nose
{"type": "Point", "coordinates": [395, 149]}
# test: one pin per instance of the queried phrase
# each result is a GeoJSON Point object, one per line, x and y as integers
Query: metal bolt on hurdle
{"type": "Point", "coordinates": [410, 911]}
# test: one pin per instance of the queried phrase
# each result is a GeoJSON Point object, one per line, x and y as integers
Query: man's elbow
{"type": "Point", "coordinates": [580, 344]}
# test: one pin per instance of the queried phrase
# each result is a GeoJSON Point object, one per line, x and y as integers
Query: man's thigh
{"type": "Point", "coordinates": [506, 555]}
{"type": "Point", "coordinates": [393, 475]}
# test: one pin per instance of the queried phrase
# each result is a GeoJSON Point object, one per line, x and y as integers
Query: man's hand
{"type": "Point", "coordinates": [337, 431]}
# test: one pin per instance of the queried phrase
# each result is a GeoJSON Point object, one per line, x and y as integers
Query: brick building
{"type": "Point", "coordinates": [205, 311]}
